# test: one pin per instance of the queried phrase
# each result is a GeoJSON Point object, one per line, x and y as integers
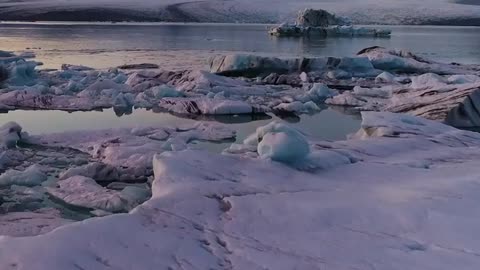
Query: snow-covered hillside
{"type": "Point", "coordinates": [460, 12]}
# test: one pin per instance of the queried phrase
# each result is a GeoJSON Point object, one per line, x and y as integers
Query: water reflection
{"type": "Point", "coordinates": [121, 111]}
{"type": "Point", "coordinates": [327, 124]}
{"type": "Point", "coordinates": [227, 119]}
{"type": "Point", "coordinates": [289, 117]}
{"type": "Point", "coordinates": [72, 43]}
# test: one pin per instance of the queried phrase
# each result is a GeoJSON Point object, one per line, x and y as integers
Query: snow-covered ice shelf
{"type": "Point", "coordinates": [404, 189]}
{"type": "Point", "coordinates": [381, 79]}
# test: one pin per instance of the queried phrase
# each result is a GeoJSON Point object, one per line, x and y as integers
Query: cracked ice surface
{"type": "Point", "coordinates": [130, 150]}
{"type": "Point", "coordinates": [406, 199]}
{"type": "Point", "coordinates": [51, 180]}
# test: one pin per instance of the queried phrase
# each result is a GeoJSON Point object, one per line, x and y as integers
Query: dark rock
{"type": "Point", "coordinates": [139, 66]}
{"type": "Point", "coordinates": [271, 79]}
{"type": "Point", "coordinates": [317, 18]}
{"type": "Point", "coordinates": [3, 74]}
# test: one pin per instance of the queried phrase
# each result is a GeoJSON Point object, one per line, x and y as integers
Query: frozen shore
{"type": "Point", "coordinates": [376, 79]}
{"type": "Point", "coordinates": [400, 193]}
{"type": "Point", "coordinates": [403, 189]}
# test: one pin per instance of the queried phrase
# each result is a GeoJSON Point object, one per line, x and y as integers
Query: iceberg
{"type": "Point", "coordinates": [297, 107]}
{"type": "Point", "coordinates": [311, 22]}
{"type": "Point", "coordinates": [385, 77]}
{"type": "Point", "coordinates": [249, 65]}
{"type": "Point", "coordinates": [100, 85]}
{"type": "Point", "coordinates": [320, 92]}
{"type": "Point", "coordinates": [10, 134]}
{"type": "Point", "coordinates": [123, 103]}
{"type": "Point", "coordinates": [21, 72]}
{"type": "Point", "coordinates": [98, 171]}
{"type": "Point", "coordinates": [165, 91]}
{"type": "Point", "coordinates": [318, 18]}
{"type": "Point", "coordinates": [208, 106]}
{"type": "Point", "coordinates": [428, 80]}
{"type": "Point", "coordinates": [403, 61]}
{"type": "Point", "coordinates": [283, 144]}
{"type": "Point", "coordinates": [431, 96]}
{"type": "Point", "coordinates": [31, 176]}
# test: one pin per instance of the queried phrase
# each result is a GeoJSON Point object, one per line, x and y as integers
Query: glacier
{"type": "Point", "coordinates": [441, 12]}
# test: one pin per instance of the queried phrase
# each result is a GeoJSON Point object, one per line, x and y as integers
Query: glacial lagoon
{"type": "Point", "coordinates": [188, 46]}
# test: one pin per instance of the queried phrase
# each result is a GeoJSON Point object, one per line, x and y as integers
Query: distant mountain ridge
{"type": "Point", "coordinates": [434, 12]}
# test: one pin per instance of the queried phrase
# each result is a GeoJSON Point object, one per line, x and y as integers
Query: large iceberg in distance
{"type": "Point", "coordinates": [311, 22]}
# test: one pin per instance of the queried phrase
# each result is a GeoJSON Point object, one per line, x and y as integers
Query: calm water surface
{"type": "Point", "coordinates": [327, 124]}
{"type": "Point", "coordinates": [183, 45]}
{"type": "Point", "coordinates": [187, 46]}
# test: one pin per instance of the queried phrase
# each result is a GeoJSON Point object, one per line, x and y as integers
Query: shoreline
{"type": "Point", "coordinates": [167, 23]}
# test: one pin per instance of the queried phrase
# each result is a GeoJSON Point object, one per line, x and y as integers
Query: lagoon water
{"type": "Point", "coordinates": [187, 46]}
{"type": "Point", "coordinates": [329, 124]}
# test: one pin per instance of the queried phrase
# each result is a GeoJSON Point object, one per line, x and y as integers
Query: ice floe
{"type": "Point", "coordinates": [261, 84]}
{"type": "Point", "coordinates": [85, 192]}
{"type": "Point", "coordinates": [125, 154]}
{"type": "Point", "coordinates": [252, 65]}
{"type": "Point", "coordinates": [31, 176]}
{"type": "Point", "coordinates": [85, 173]}
{"type": "Point", "coordinates": [281, 143]}
{"type": "Point", "coordinates": [99, 171]}
{"type": "Point", "coordinates": [451, 99]}
{"type": "Point", "coordinates": [208, 106]}
{"type": "Point", "coordinates": [10, 134]}
{"type": "Point", "coordinates": [404, 61]}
